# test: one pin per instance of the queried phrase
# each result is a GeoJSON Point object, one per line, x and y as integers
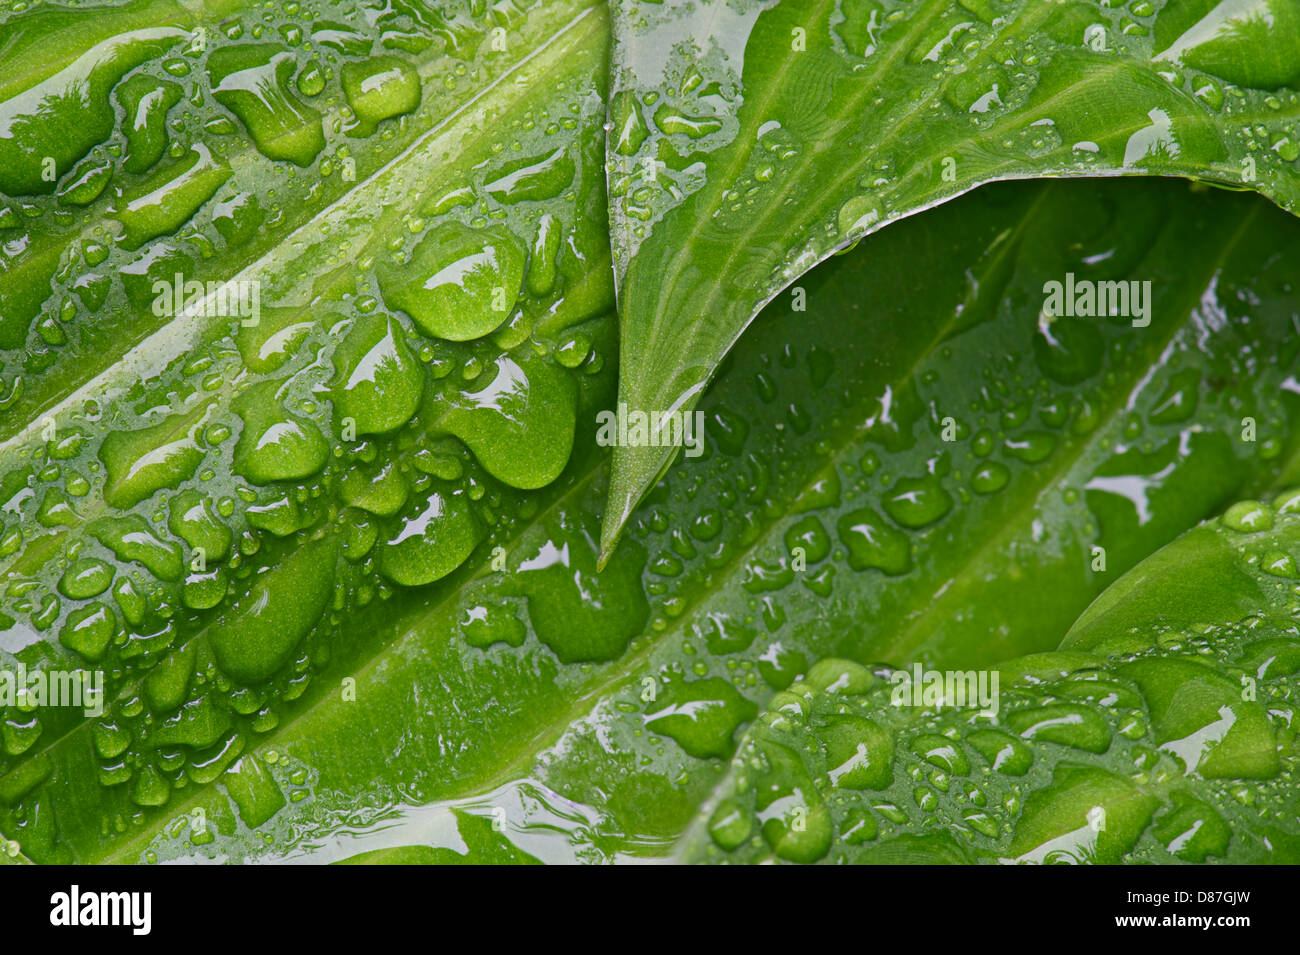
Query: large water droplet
{"type": "Point", "coordinates": [917, 502]}
{"type": "Point", "coordinates": [275, 445]}
{"type": "Point", "coordinates": [519, 424]}
{"type": "Point", "coordinates": [873, 543]}
{"type": "Point", "coordinates": [431, 542]}
{"type": "Point", "coordinates": [859, 752]}
{"type": "Point", "coordinates": [379, 382]}
{"type": "Point", "coordinates": [702, 716]}
{"type": "Point", "coordinates": [380, 88]}
{"type": "Point", "coordinates": [253, 82]}
{"type": "Point", "coordinates": [256, 636]}
{"type": "Point", "coordinates": [460, 283]}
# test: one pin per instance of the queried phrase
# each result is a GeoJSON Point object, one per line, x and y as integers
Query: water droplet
{"type": "Point", "coordinates": [89, 631]}
{"type": "Point", "coordinates": [460, 283]}
{"type": "Point", "coordinates": [871, 542]}
{"type": "Point", "coordinates": [859, 752]}
{"type": "Point", "coordinates": [256, 636]}
{"type": "Point", "coordinates": [917, 502]}
{"type": "Point", "coordinates": [380, 88]}
{"type": "Point", "coordinates": [1248, 517]}
{"type": "Point", "coordinates": [378, 381]}
{"type": "Point", "coordinates": [534, 178]}
{"type": "Point", "coordinates": [141, 461]}
{"type": "Point", "coordinates": [1065, 723]}
{"type": "Point", "coordinates": [990, 477]}
{"type": "Point", "coordinates": [85, 578]}
{"type": "Point", "coordinates": [252, 81]}
{"type": "Point", "coordinates": [275, 445]}
{"type": "Point", "coordinates": [519, 424]}
{"type": "Point", "coordinates": [580, 614]}
{"type": "Point", "coordinates": [702, 716]}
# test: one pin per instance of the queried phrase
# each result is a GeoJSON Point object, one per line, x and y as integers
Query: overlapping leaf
{"type": "Point", "coordinates": [749, 140]}
{"type": "Point", "coordinates": [1161, 732]}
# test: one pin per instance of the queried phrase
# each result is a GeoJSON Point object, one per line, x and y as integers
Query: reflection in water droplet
{"type": "Point", "coordinates": [460, 283]}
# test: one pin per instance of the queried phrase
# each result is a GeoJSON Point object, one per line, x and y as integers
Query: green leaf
{"type": "Point", "coordinates": [600, 707]}
{"type": "Point", "coordinates": [218, 400]}
{"type": "Point", "coordinates": [206, 141]}
{"type": "Point", "coordinates": [211, 521]}
{"type": "Point", "coordinates": [338, 562]}
{"type": "Point", "coordinates": [750, 140]}
{"type": "Point", "coordinates": [1159, 733]}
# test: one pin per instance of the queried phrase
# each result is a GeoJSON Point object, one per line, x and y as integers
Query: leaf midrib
{"type": "Point", "coordinates": [105, 382]}
{"type": "Point", "coordinates": [173, 341]}
{"type": "Point", "coordinates": [556, 49]}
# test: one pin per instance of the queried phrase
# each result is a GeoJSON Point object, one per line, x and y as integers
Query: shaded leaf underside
{"type": "Point", "coordinates": [1158, 734]}
{"type": "Point", "coordinates": [749, 141]}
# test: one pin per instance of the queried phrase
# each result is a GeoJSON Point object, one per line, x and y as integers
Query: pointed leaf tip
{"type": "Point", "coordinates": [634, 471]}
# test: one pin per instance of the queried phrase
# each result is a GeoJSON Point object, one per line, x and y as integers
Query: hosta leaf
{"type": "Point", "coordinates": [843, 431]}
{"type": "Point", "coordinates": [750, 140]}
{"type": "Point", "coordinates": [344, 608]}
{"type": "Point", "coordinates": [1161, 732]}
{"type": "Point", "coordinates": [212, 519]}
{"type": "Point", "coordinates": [334, 398]}
{"type": "Point", "coordinates": [592, 712]}
{"type": "Point", "coordinates": [153, 137]}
